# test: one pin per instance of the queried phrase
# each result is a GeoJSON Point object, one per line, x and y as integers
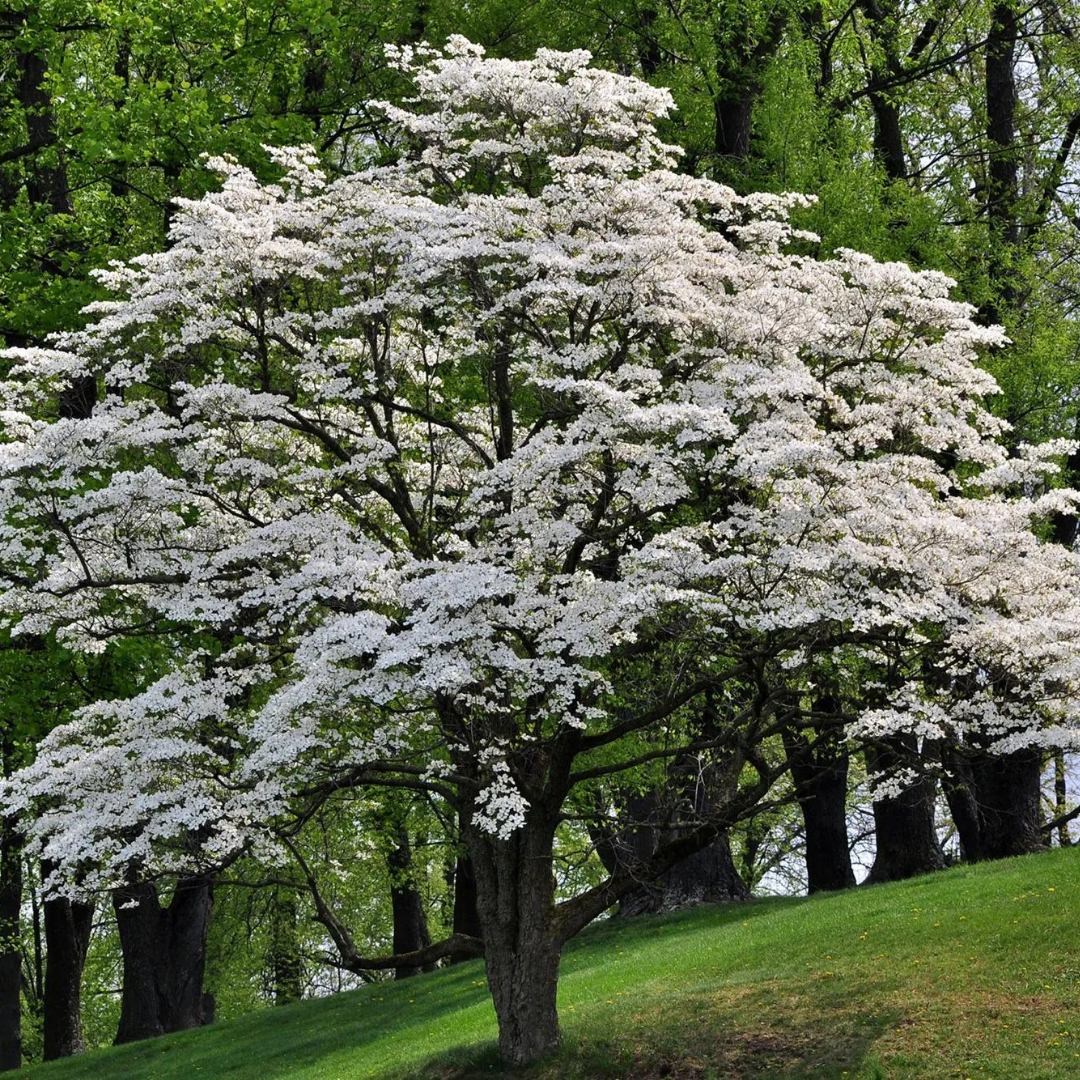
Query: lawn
{"type": "Point", "coordinates": [974, 972]}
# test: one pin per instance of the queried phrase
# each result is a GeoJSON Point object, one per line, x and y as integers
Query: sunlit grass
{"type": "Point", "coordinates": [971, 973]}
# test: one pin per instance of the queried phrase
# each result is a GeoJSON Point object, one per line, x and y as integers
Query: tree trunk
{"type": "Point", "coordinates": [733, 117]}
{"type": "Point", "coordinates": [959, 788]}
{"type": "Point", "coordinates": [410, 922]}
{"type": "Point", "coordinates": [740, 78]}
{"type": "Point", "coordinates": [10, 952]}
{"type": "Point", "coordinates": [67, 938]}
{"type": "Point", "coordinates": [1007, 792]}
{"type": "Point", "coordinates": [650, 55]}
{"type": "Point", "coordinates": [1001, 101]}
{"type": "Point", "coordinates": [907, 842]}
{"type": "Point", "coordinates": [820, 774]}
{"type": "Point", "coordinates": [466, 917]}
{"type": "Point", "coordinates": [515, 901]}
{"type": "Point", "coordinates": [138, 918]}
{"type": "Point", "coordinates": [286, 968]}
{"type": "Point", "coordinates": [164, 952]}
{"type": "Point", "coordinates": [994, 802]}
{"type": "Point", "coordinates": [888, 136]}
{"type": "Point", "coordinates": [46, 184]}
{"type": "Point", "coordinates": [709, 876]}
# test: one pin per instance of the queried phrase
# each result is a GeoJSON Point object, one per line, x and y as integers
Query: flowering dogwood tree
{"type": "Point", "coordinates": [495, 471]}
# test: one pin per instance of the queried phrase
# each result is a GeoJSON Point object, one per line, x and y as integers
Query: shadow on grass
{"type": "Point", "coordinates": [732, 1034]}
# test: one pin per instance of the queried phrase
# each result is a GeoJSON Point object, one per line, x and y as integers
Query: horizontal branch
{"type": "Point", "coordinates": [456, 946]}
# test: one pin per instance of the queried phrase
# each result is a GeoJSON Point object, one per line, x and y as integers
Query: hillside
{"type": "Point", "coordinates": [971, 973]}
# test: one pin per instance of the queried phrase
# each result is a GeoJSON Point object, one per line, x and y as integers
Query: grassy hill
{"type": "Point", "coordinates": [970, 973]}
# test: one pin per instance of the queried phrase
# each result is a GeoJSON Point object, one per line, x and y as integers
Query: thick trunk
{"type": "Point", "coordinates": [733, 119]}
{"type": "Point", "coordinates": [138, 918]}
{"type": "Point", "coordinates": [1001, 101]}
{"type": "Point", "coordinates": [907, 842]}
{"type": "Point", "coordinates": [709, 876]}
{"type": "Point", "coordinates": [882, 20]}
{"type": "Point", "coordinates": [410, 922]}
{"type": "Point", "coordinates": [888, 138]}
{"type": "Point", "coordinates": [1007, 792]}
{"type": "Point", "coordinates": [164, 953]}
{"type": "Point", "coordinates": [10, 953]}
{"type": "Point", "coordinates": [994, 802]}
{"type": "Point", "coordinates": [523, 974]}
{"type": "Point", "coordinates": [515, 901]}
{"type": "Point", "coordinates": [740, 78]}
{"type": "Point", "coordinates": [188, 920]}
{"type": "Point", "coordinates": [650, 821]}
{"type": "Point", "coordinates": [820, 776]}
{"type": "Point", "coordinates": [67, 938]}
{"type": "Point", "coordinates": [964, 813]}
{"type": "Point", "coordinates": [650, 55]}
{"type": "Point", "coordinates": [959, 789]}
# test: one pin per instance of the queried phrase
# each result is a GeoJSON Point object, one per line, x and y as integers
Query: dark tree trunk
{"type": "Point", "coordinates": [1007, 792]}
{"type": "Point", "coordinates": [907, 842]}
{"type": "Point", "coordinates": [410, 922]}
{"type": "Point", "coordinates": [650, 55]}
{"type": "Point", "coordinates": [994, 802]}
{"type": "Point", "coordinates": [164, 952]}
{"type": "Point", "coordinates": [708, 876]}
{"type": "Point", "coordinates": [10, 952]}
{"type": "Point", "coordinates": [466, 917]}
{"type": "Point", "coordinates": [1001, 100]}
{"type": "Point", "coordinates": [67, 938]}
{"type": "Point", "coordinates": [46, 184]}
{"type": "Point", "coordinates": [888, 137]}
{"type": "Point", "coordinates": [740, 78]}
{"type": "Point", "coordinates": [819, 773]}
{"type": "Point", "coordinates": [139, 919]}
{"type": "Point", "coordinates": [733, 118]}
{"type": "Point", "coordinates": [515, 901]}
{"type": "Point", "coordinates": [959, 788]}
{"type": "Point", "coordinates": [285, 965]}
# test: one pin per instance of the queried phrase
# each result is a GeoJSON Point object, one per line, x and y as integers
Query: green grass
{"type": "Point", "coordinates": [974, 972]}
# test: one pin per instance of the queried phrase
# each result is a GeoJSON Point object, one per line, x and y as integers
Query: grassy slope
{"type": "Point", "coordinates": [971, 973]}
